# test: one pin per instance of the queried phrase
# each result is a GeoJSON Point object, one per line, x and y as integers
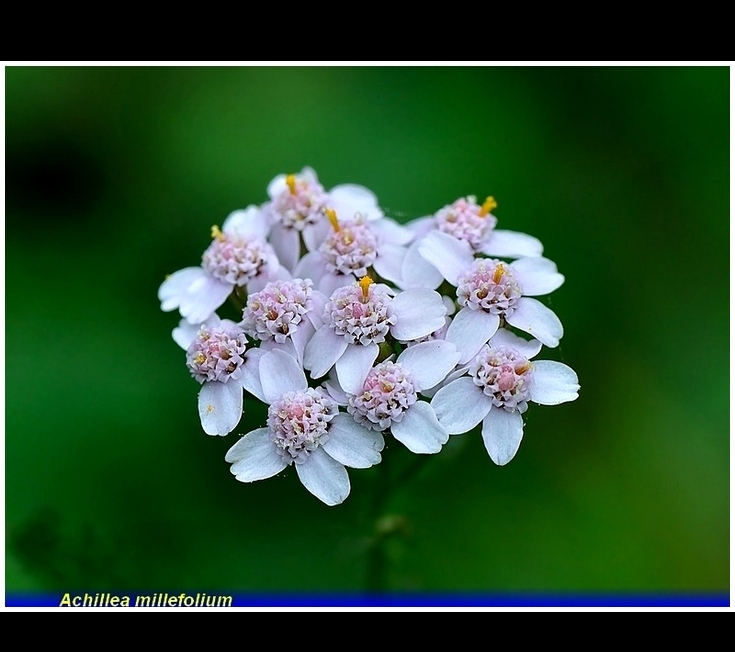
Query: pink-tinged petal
{"type": "Point", "coordinates": [220, 407]}
{"type": "Point", "coordinates": [391, 232]}
{"type": "Point", "coordinates": [417, 272]}
{"type": "Point", "coordinates": [460, 405]}
{"type": "Point", "coordinates": [352, 444]}
{"type": "Point", "coordinates": [250, 379]}
{"type": "Point", "coordinates": [247, 222]}
{"type": "Point", "coordinates": [280, 373]}
{"type": "Point", "coordinates": [315, 234]}
{"type": "Point", "coordinates": [420, 430]}
{"type": "Point", "coordinates": [527, 348]}
{"type": "Point", "coordinates": [318, 302]}
{"type": "Point", "coordinates": [348, 199]}
{"type": "Point", "coordinates": [533, 317]}
{"type": "Point", "coordinates": [300, 338]}
{"type": "Point", "coordinates": [469, 330]}
{"type": "Point", "coordinates": [429, 362]}
{"type": "Point", "coordinates": [537, 276]}
{"type": "Point", "coordinates": [553, 383]}
{"type": "Point", "coordinates": [502, 433]}
{"type": "Point", "coordinates": [323, 350]}
{"type": "Point", "coordinates": [311, 266]}
{"type": "Point", "coordinates": [390, 262]}
{"type": "Point", "coordinates": [286, 244]}
{"type": "Point", "coordinates": [354, 366]}
{"type": "Point", "coordinates": [448, 254]}
{"type": "Point", "coordinates": [203, 297]}
{"type": "Point", "coordinates": [419, 312]}
{"type": "Point", "coordinates": [255, 457]}
{"type": "Point", "coordinates": [324, 477]}
{"type": "Point", "coordinates": [175, 287]}
{"type": "Point", "coordinates": [421, 225]}
{"type": "Point", "coordinates": [277, 186]}
{"type": "Point", "coordinates": [511, 244]}
{"type": "Point", "coordinates": [331, 282]}
{"type": "Point", "coordinates": [334, 390]}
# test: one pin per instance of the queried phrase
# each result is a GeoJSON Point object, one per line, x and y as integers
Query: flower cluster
{"type": "Point", "coordinates": [353, 328]}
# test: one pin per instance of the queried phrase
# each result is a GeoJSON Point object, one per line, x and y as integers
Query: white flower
{"type": "Point", "coordinates": [296, 211]}
{"type": "Point", "coordinates": [462, 228]}
{"type": "Point", "coordinates": [238, 256]}
{"type": "Point", "coordinates": [488, 290]}
{"type": "Point", "coordinates": [388, 396]}
{"type": "Point", "coordinates": [354, 247]}
{"type": "Point", "coordinates": [361, 316]}
{"type": "Point", "coordinates": [304, 429]}
{"type": "Point", "coordinates": [501, 381]}
{"type": "Point", "coordinates": [218, 357]}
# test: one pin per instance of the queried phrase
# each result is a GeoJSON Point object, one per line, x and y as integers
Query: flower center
{"type": "Point", "coordinates": [298, 423]}
{"type": "Point", "coordinates": [361, 312]}
{"type": "Point", "coordinates": [234, 259]}
{"type": "Point", "coordinates": [489, 285]}
{"type": "Point", "coordinates": [351, 248]}
{"type": "Point", "coordinates": [216, 354]}
{"type": "Point", "coordinates": [300, 204]}
{"type": "Point", "coordinates": [466, 220]}
{"type": "Point", "coordinates": [505, 375]}
{"type": "Point", "coordinates": [388, 392]}
{"type": "Point", "coordinates": [277, 310]}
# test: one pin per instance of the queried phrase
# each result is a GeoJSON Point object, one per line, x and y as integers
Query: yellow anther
{"type": "Point", "coordinates": [200, 358]}
{"type": "Point", "coordinates": [217, 234]}
{"type": "Point", "coordinates": [210, 408]}
{"type": "Point", "coordinates": [332, 216]}
{"type": "Point", "coordinates": [526, 366]}
{"type": "Point", "coordinates": [365, 282]}
{"type": "Point", "coordinates": [499, 271]}
{"type": "Point", "coordinates": [291, 183]}
{"type": "Point", "coordinates": [489, 205]}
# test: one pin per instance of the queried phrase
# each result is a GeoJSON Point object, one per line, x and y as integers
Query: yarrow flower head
{"type": "Point", "coordinates": [217, 353]}
{"type": "Point", "coordinates": [466, 220]}
{"type": "Point", "coordinates": [501, 380]}
{"type": "Point", "coordinates": [238, 257]}
{"type": "Point", "coordinates": [305, 429]}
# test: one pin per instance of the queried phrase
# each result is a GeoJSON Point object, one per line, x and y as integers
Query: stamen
{"type": "Point", "coordinates": [217, 234]}
{"type": "Point", "coordinates": [332, 215]}
{"type": "Point", "coordinates": [498, 273]}
{"type": "Point", "coordinates": [365, 282]}
{"type": "Point", "coordinates": [489, 205]}
{"type": "Point", "coordinates": [291, 183]}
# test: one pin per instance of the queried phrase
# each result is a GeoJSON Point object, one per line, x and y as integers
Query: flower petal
{"type": "Point", "coordinates": [527, 348]}
{"type": "Point", "coordinates": [285, 243]}
{"type": "Point", "coordinates": [502, 433]}
{"type": "Point", "coordinates": [391, 232]}
{"type": "Point", "coordinates": [280, 373]}
{"type": "Point", "coordinates": [250, 379]}
{"type": "Point", "coordinates": [354, 366]}
{"type": "Point", "coordinates": [323, 350]}
{"type": "Point", "coordinates": [348, 199]}
{"type": "Point", "coordinates": [174, 288]}
{"type": "Point", "coordinates": [533, 317]}
{"type": "Point", "coordinates": [255, 457]}
{"type": "Point", "coordinates": [390, 262]}
{"type": "Point", "coordinates": [185, 332]}
{"type": "Point", "coordinates": [429, 362]}
{"type": "Point", "coordinates": [461, 405]}
{"type": "Point", "coordinates": [246, 222]}
{"type": "Point", "coordinates": [537, 275]}
{"type": "Point", "coordinates": [352, 444]}
{"type": "Point", "coordinates": [324, 477]}
{"type": "Point", "coordinates": [417, 272]}
{"type": "Point", "coordinates": [511, 244]}
{"type": "Point", "coordinates": [420, 430]}
{"type": "Point", "coordinates": [553, 383]}
{"type": "Point", "coordinates": [448, 254]}
{"type": "Point", "coordinates": [203, 297]}
{"type": "Point", "coordinates": [419, 312]}
{"type": "Point", "coordinates": [470, 329]}
{"type": "Point", "coordinates": [220, 407]}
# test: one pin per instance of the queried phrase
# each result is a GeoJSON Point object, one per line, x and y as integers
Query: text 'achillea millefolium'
{"type": "Point", "coordinates": [353, 328]}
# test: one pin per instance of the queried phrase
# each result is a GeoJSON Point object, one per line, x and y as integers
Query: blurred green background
{"type": "Point", "coordinates": [114, 176]}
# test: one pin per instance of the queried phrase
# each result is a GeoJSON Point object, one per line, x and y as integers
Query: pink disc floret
{"type": "Point", "coordinates": [489, 285]}
{"type": "Point", "coordinates": [504, 375]}
{"type": "Point", "coordinates": [352, 249]}
{"type": "Point", "coordinates": [217, 354]}
{"type": "Point", "coordinates": [464, 220]}
{"type": "Point", "coordinates": [360, 315]}
{"type": "Point", "coordinates": [277, 310]}
{"type": "Point", "coordinates": [236, 259]}
{"type": "Point", "coordinates": [389, 391]}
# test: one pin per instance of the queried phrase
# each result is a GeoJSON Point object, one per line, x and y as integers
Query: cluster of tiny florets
{"type": "Point", "coordinates": [352, 249]}
{"type": "Point", "coordinates": [217, 354]}
{"type": "Point", "coordinates": [360, 318]}
{"type": "Point", "coordinates": [505, 375]}
{"type": "Point", "coordinates": [489, 285]}
{"type": "Point", "coordinates": [464, 221]}
{"type": "Point", "coordinates": [388, 392]}
{"type": "Point", "coordinates": [298, 423]}
{"type": "Point", "coordinates": [277, 310]}
{"type": "Point", "coordinates": [299, 205]}
{"type": "Point", "coordinates": [235, 259]}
